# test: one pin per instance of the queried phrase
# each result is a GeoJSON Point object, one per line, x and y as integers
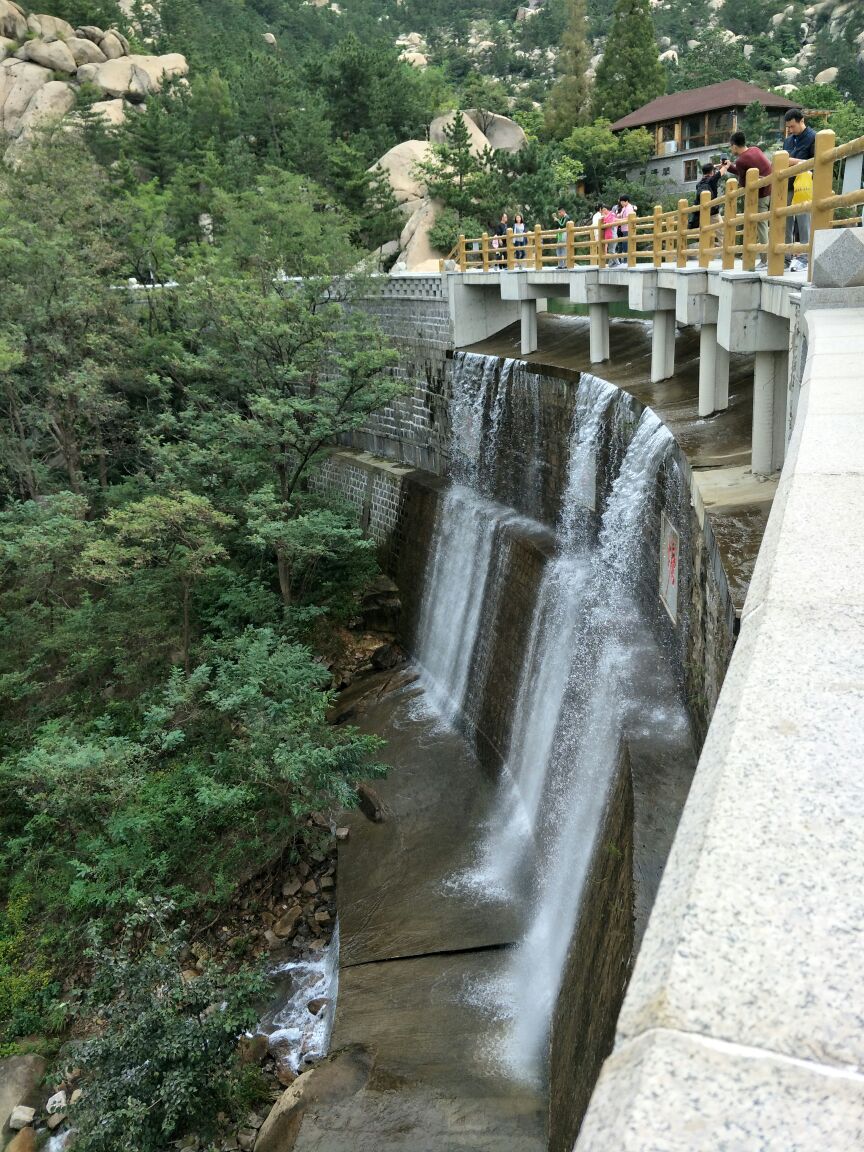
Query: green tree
{"type": "Point", "coordinates": [164, 1060]}
{"type": "Point", "coordinates": [568, 101]}
{"type": "Point", "coordinates": [713, 60]}
{"type": "Point", "coordinates": [453, 172]}
{"type": "Point", "coordinates": [603, 153]}
{"type": "Point", "coordinates": [630, 74]}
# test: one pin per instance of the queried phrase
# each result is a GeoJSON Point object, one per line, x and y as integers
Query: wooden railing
{"type": "Point", "coordinates": [727, 229]}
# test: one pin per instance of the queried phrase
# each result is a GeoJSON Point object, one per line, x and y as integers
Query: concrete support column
{"type": "Point", "coordinates": [528, 316]}
{"type": "Point", "coordinates": [663, 346]}
{"type": "Point", "coordinates": [713, 372]}
{"type": "Point", "coordinates": [770, 392]}
{"type": "Point", "coordinates": [598, 320]}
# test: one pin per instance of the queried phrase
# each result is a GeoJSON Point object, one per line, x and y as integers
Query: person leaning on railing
{"type": "Point", "coordinates": [800, 144]}
{"type": "Point", "coordinates": [745, 159]}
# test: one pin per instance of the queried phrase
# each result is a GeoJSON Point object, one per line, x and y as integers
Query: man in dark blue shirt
{"type": "Point", "coordinates": [800, 144]}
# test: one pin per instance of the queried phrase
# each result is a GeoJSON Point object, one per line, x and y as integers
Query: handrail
{"type": "Point", "coordinates": [728, 225]}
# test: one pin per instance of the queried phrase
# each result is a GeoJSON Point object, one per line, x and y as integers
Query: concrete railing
{"type": "Point", "coordinates": [743, 1026]}
{"type": "Point", "coordinates": [728, 226]}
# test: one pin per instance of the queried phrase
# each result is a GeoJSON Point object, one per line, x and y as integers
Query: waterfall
{"type": "Point", "coordinates": [585, 747]}
{"type": "Point", "coordinates": [453, 596]}
{"type": "Point", "coordinates": [575, 694]}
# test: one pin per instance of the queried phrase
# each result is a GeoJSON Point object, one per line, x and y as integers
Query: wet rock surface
{"type": "Point", "coordinates": [413, 947]}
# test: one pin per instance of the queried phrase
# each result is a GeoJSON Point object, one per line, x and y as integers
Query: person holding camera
{"type": "Point", "coordinates": [745, 159]}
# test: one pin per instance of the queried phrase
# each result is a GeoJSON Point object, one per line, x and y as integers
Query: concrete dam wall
{"type": "Point", "coordinates": [566, 606]}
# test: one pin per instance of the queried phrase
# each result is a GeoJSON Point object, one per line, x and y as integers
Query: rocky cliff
{"type": "Point", "coordinates": [45, 62]}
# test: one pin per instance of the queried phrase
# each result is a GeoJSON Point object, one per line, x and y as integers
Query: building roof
{"type": "Point", "coordinates": [729, 94]}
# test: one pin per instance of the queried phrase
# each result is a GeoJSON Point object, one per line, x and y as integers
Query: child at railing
{"type": "Point", "coordinates": [520, 240]}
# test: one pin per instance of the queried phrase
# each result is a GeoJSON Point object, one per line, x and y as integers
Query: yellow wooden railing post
{"type": "Point", "coordinates": [683, 214]}
{"type": "Point", "coordinates": [777, 222]}
{"type": "Point", "coordinates": [631, 242]}
{"type": "Point", "coordinates": [822, 215]}
{"type": "Point", "coordinates": [656, 237]}
{"type": "Point", "coordinates": [484, 249]}
{"type": "Point", "coordinates": [751, 207]}
{"type": "Point", "coordinates": [730, 223]}
{"type": "Point", "coordinates": [463, 254]}
{"type": "Point", "coordinates": [571, 251]}
{"type": "Point", "coordinates": [706, 237]}
{"type": "Point", "coordinates": [511, 251]}
{"type": "Point", "coordinates": [538, 247]}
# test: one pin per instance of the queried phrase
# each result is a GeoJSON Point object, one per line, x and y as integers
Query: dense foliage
{"type": "Point", "coordinates": [167, 571]}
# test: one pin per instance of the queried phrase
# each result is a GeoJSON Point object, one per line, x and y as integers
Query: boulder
{"type": "Point", "coordinates": [418, 253]}
{"type": "Point", "coordinates": [122, 77]}
{"type": "Point", "coordinates": [20, 1077]}
{"type": "Point", "coordinates": [7, 47]}
{"type": "Point", "coordinates": [501, 132]}
{"type": "Point", "coordinates": [23, 1141]}
{"type": "Point", "coordinates": [21, 1117]}
{"type": "Point", "coordinates": [52, 101]}
{"type": "Point", "coordinates": [87, 73]}
{"type": "Point", "coordinates": [13, 22]}
{"type": "Point", "coordinates": [285, 925]}
{"type": "Point", "coordinates": [54, 55]}
{"type": "Point", "coordinates": [415, 59]}
{"type": "Point", "coordinates": [53, 26]}
{"type": "Point", "coordinates": [19, 83]}
{"type": "Point", "coordinates": [270, 39]}
{"type": "Point", "coordinates": [85, 51]}
{"type": "Point", "coordinates": [90, 32]}
{"type": "Point", "coordinates": [160, 68]}
{"type": "Point", "coordinates": [112, 46]}
{"type": "Point", "coordinates": [826, 76]}
{"type": "Point", "coordinates": [112, 111]}
{"type": "Point", "coordinates": [369, 803]}
{"type": "Point", "coordinates": [436, 132]}
{"type": "Point", "coordinates": [340, 1077]}
{"type": "Point", "coordinates": [400, 163]}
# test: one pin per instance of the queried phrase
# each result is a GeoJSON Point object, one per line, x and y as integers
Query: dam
{"type": "Point", "coordinates": [574, 547]}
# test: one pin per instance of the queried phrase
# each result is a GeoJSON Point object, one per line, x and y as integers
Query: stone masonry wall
{"type": "Point", "coordinates": [415, 431]}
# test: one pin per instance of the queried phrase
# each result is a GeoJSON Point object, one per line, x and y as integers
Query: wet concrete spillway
{"type": "Point", "coordinates": [541, 751]}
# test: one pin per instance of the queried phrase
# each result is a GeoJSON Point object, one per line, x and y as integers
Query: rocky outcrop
{"type": "Point", "coordinates": [479, 143]}
{"type": "Point", "coordinates": [487, 130]}
{"type": "Point", "coordinates": [400, 165]}
{"type": "Point", "coordinates": [32, 88]}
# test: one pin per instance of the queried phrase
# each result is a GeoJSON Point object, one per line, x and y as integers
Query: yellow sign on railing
{"type": "Point", "coordinates": [746, 223]}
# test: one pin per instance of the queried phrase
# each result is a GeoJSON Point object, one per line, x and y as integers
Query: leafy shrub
{"type": "Point", "coordinates": [164, 1062]}
{"type": "Point", "coordinates": [447, 229]}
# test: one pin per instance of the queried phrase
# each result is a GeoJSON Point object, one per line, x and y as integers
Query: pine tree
{"type": "Point", "coordinates": [567, 103]}
{"type": "Point", "coordinates": [453, 171]}
{"type": "Point", "coordinates": [630, 73]}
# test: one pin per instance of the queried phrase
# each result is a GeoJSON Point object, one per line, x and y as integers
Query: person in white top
{"type": "Point", "coordinates": [519, 238]}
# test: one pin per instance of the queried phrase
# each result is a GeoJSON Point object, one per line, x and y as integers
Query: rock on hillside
{"type": "Point", "coordinates": [416, 254]}
{"type": "Point", "coordinates": [40, 78]}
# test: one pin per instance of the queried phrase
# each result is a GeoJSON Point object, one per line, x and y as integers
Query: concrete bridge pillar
{"type": "Point", "coordinates": [528, 317]}
{"type": "Point", "coordinates": [713, 372]}
{"type": "Point", "coordinates": [770, 391]}
{"type": "Point", "coordinates": [598, 319]}
{"type": "Point", "coordinates": [663, 346]}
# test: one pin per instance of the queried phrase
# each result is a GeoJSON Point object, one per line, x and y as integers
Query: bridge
{"type": "Point", "coordinates": [706, 276]}
{"type": "Point", "coordinates": [743, 1025]}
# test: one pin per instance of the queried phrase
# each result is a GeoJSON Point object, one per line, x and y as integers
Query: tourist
{"type": "Point", "coordinates": [519, 239]}
{"type": "Point", "coordinates": [499, 239]}
{"type": "Point", "coordinates": [709, 181]}
{"type": "Point", "coordinates": [622, 213]}
{"type": "Point", "coordinates": [801, 145]}
{"type": "Point", "coordinates": [562, 220]}
{"type": "Point", "coordinates": [745, 159]}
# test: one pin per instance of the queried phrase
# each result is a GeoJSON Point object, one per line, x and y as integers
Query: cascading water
{"type": "Point", "coordinates": [547, 661]}
{"type": "Point", "coordinates": [577, 694]}
{"type": "Point", "coordinates": [585, 748]}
